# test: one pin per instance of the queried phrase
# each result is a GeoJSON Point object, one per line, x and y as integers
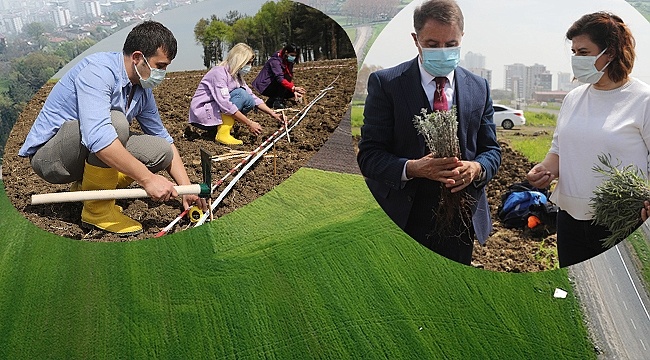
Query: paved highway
{"type": "Point", "coordinates": [616, 304]}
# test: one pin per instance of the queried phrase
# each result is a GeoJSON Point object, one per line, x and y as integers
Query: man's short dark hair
{"type": "Point", "coordinates": [445, 11]}
{"type": "Point", "coordinates": [148, 37]}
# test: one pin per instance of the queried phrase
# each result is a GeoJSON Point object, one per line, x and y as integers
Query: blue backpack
{"type": "Point", "coordinates": [521, 201]}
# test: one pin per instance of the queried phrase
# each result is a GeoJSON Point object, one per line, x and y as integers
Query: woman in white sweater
{"type": "Point", "coordinates": [609, 114]}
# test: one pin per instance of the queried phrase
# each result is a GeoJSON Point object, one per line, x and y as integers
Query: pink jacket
{"type": "Point", "coordinates": [212, 97]}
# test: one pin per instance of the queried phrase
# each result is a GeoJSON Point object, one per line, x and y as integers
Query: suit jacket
{"type": "Point", "coordinates": [389, 138]}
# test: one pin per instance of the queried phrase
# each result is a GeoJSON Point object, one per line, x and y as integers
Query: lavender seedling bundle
{"type": "Point", "coordinates": [440, 132]}
{"type": "Point", "coordinates": [617, 201]}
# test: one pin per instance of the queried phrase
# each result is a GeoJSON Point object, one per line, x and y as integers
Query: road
{"type": "Point", "coordinates": [615, 304]}
{"type": "Point", "coordinates": [540, 110]}
{"type": "Point", "coordinates": [364, 32]}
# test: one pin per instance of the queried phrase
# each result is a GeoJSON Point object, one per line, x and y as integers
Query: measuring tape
{"type": "Point", "coordinates": [195, 214]}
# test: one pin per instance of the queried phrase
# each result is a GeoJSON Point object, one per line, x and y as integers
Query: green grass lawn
{"type": "Point", "coordinates": [540, 119]}
{"type": "Point", "coordinates": [356, 118]}
{"type": "Point", "coordinates": [313, 269]}
{"type": "Point", "coordinates": [642, 252]}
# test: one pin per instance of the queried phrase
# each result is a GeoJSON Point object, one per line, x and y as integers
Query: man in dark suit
{"type": "Point", "coordinates": [400, 171]}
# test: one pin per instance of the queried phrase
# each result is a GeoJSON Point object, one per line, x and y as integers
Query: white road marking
{"type": "Point", "coordinates": [633, 285]}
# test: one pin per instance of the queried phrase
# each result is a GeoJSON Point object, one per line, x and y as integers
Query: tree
{"type": "Point", "coordinates": [220, 34]}
{"type": "Point", "coordinates": [273, 26]}
{"type": "Point", "coordinates": [36, 32]}
{"type": "Point", "coordinates": [69, 50]}
{"type": "Point", "coordinates": [232, 17]}
{"type": "Point", "coordinates": [8, 115]}
{"type": "Point", "coordinates": [29, 73]}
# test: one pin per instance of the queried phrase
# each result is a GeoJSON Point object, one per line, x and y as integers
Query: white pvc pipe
{"type": "Point", "coordinates": [106, 194]}
{"type": "Point", "coordinates": [259, 154]}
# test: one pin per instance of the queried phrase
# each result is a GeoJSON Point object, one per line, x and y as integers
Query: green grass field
{"type": "Point", "coordinates": [313, 269]}
{"type": "Point", "coordinates": [642, 252]}
{"type": "Point", "coordinates": [356, 118]}
{"type": "Point", "coordinates": [540, 119]}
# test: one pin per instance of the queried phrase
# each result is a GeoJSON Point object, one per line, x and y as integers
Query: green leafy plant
{"type": "Point", "coordinates": [617, 201]}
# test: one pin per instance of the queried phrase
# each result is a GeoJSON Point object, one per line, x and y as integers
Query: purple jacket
{"type": "Point", "coordinates": [277, 70]}
{"type": "Point", "coordinates": [212, 97]}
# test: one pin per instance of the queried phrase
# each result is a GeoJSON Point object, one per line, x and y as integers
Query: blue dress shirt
{"type": "Point", "coordinates": [89, 92]}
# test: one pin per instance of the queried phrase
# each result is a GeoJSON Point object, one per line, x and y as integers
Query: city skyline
{"type": "Point", "coordinates": [527, 37]}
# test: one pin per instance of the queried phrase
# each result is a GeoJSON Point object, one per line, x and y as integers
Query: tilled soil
{"type": "Point", "coordinates": [173, 97]}
{"type": "Point", "coordinates": [514, 250]}
{"type": "Point", "coordinates": [510, 250]}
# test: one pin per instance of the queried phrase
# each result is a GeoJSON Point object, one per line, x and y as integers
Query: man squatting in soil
{"type": "Point", "coordinates": [82, 135]}
{"type": "Point", "coordinates": [400, 171]}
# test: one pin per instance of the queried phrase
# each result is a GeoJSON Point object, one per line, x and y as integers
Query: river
{"type": "Point", "coordinates": [181, 22]}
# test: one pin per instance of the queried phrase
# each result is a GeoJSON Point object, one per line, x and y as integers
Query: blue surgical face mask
{"type": "Point", "coordinates": [584, 68]}
{"type": "Point", "coordinates": [440, 61]}
{"type": "Point", "coordinates": [291, 58]}
{"type": "Point", "coordinates": [245, 70]}
{"type": "Point", "coordinates": [155, 77]}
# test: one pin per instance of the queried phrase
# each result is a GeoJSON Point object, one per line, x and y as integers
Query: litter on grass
{"type": "Point", "coordinates": [559, 294]}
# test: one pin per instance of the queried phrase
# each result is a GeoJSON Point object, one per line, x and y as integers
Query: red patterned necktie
{"type": "Point", "coordinates": [439, 97]}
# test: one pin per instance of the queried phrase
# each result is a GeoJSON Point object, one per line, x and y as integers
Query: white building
{"type": "Point", "coordinates": [61, 16]}
{"type": "Point", "coordinates": [474, 60]}
{"type": "Point", "coordinates": [13, 23]}
{"type": "Point", "coordinates": [514, 79]}
{"type": "Point", "coordinates": [92, 8]}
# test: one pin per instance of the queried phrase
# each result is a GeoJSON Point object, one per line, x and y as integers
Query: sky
{"type": "Point", "coordinates": [515, 31]}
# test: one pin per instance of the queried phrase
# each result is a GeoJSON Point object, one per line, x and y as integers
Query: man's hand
{"type": "Point", "coordinates": [188, 200]}
{"type": "Point", "coordinates": [438, 169]}
{"type": "Point", "coordinates": [159, 188]}
{"type": "Point", "coordinates": [468, 171]}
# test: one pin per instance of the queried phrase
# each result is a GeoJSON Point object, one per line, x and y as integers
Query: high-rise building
{"type": "Point", "coordinates": [92, 8]}
{"type": "Point", "coordinates": [532, 80]}
{"type": "Point", "coordinates": [543, 82]}
{"type": "Point", "coordinates": [524, 80]}
{"type": "Point", "coordinates": [565, 81]}
{"type": "Point", "coordinates": [61, 16]}
{"type": "Point", "coordinates": [13, 23]}
{"type": "Point", "coordinates": [484, 73]}
{"type": "Point", "coordinates": [474, 61]}
{"type": "Point", "coordinates": [514, 79]}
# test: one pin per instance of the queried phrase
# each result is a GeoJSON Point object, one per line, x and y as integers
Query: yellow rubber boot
{"type": "Point", "coordinates": [103, 214]}
{"type": "Point", "coordinates": [123, 181]}
{"type": "Point", "coordinates": [76, 186]}
{"type": "Point", "coordinates": [223, 131]}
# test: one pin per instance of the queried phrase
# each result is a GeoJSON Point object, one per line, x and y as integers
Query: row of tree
{"type": "Point", "coordinates": [275, 24]}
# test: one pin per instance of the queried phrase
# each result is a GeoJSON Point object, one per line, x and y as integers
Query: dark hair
{"type": "Point", "coordinates": [445, 11]}
{"type": "Point", "coordinates": [608, 31]}
{"type": "Point", "coordinates": [289, 48]}
{"type": "Point", "coordinates": [148, 37]}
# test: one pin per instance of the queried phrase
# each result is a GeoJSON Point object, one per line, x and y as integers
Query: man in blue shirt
{"type": "Point", "coordinates": [82, 133]}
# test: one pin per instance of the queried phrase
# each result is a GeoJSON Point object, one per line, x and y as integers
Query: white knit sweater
{"type": "Point", "coordinates": [593, 122]}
